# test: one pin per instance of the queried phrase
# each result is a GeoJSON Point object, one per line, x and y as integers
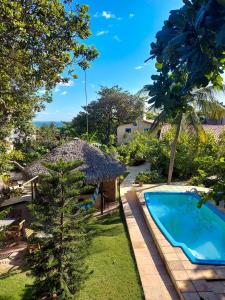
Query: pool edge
{"type": "Point", "coordinates": [183, 246]}
{"type": "Point", "coordinates": [169, 254]}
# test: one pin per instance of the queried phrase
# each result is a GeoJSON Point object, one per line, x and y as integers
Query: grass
{"type": "Point", "coordinates": [114, 275]}
{"type": "Point", "coordinates": [13, 286]}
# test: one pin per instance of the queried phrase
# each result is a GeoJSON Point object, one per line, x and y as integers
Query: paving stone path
{"type": "Point", "coordinates": [155, 280]}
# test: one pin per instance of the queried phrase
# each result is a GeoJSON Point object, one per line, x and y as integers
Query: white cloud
{"type": "Point", "coordinates": [99, 33]}
{"type": "Point", "coordinates": [63, 93]}
{"type": "Point", "coordinates": [69, 83]}
{"type": "Point", "coordinates": [115, 37]}
{"type": "Point", "coordinates": [107, 15]}
{"type": "Point", "coordinates": [57, 111]}
{"type": "Point", "coordinates": [56, 90]}
{"type": "Point", "coordinates": [131, 15]}
{"type": "Point", "coordinates": [138, 67]}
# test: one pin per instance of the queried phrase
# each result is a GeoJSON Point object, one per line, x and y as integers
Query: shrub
{"type": "Point", "coordinates": [193, 157]}
{"type": "Point", "coordinates": [135, 152]}
{"type": "Point", "coordinates": [149, 177]}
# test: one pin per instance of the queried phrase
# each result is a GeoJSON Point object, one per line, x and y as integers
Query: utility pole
{"type": "Point", "coordinates": [86, 97]}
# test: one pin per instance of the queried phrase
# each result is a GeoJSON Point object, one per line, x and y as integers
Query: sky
{"type": "Point", "coordinates": [122, 31]}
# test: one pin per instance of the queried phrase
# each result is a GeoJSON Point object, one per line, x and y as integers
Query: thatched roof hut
{"type": "Point", "coordinates": [98, 166]}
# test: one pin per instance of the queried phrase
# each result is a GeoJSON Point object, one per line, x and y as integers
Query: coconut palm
{"type": "Point", "coordinates": [184, 112]}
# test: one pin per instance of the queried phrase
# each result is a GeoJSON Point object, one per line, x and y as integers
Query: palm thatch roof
{"type": "Point", "coordinates": [97, 166]}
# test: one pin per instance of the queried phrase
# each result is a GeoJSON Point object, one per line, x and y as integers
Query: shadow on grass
{"type": "Point", "coordinates": [19, 268]}
{"type": "Point", "coordinates": [108, 226]}
{"type": "Point", "coordinates": [109, 219]}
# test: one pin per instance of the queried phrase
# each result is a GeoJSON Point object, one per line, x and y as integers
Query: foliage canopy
{"type": "Point", "coordinates": [64, 232]}
{"type": "Point", "coordinates": [39, 39]}
{"type": "Point", "coordinates": [113, 107]}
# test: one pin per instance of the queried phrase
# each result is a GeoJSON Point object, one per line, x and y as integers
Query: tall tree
{"type": "Point", "coordinates": [181, 111]}
{"type": "Point", "coordinates": [190, 55]}
{"type": "Point", "coordinates": [39, 39]}
{"type": "Point", "coordinates": [113, 107]}
{"type": "Point", "coordinates": [58, 266]}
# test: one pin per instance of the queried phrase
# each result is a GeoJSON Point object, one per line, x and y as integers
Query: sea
{"type": "Point", "coordinates": [41, 123]}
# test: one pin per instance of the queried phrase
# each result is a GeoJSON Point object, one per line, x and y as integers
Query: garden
{"type": "Point", "coordinates": [110, 263]}
{"type": "Point", "coordinates": [68, 245]}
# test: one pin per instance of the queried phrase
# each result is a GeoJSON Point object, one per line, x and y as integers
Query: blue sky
{"type": "Point", "coordinates": [122, 32]}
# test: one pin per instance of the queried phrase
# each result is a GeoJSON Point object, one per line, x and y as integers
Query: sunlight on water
{"type": "Point", "coordinates": [200, 232]}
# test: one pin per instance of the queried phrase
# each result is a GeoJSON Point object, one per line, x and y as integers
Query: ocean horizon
{"type": "Point", "coordinates": [41, 123]}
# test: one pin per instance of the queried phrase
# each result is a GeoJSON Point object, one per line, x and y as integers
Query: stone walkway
{"type": "Point", "coordinates": [155, 280]}
{"type": "Point", "coordinates": [12, 257]}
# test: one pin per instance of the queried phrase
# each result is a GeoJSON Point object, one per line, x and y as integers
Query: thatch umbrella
{"type": "Point", "coordinates": [97, 166]}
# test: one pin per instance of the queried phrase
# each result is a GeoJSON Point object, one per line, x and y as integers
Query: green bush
{"type": "Point", "coordinates": [135, 152]}
{"type": "Point", "coordinates": [149, 177]}
{"type": "Point", "coordinates": [194, 159]}
{"type": "Point", "coordinates": [191, 155]}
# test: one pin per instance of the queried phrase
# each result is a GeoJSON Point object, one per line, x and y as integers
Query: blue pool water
{"type": "Point", "coordinates": [200, 232]}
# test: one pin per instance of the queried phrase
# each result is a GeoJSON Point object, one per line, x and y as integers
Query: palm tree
{"type": "Point", "coordinates": [204, 100]}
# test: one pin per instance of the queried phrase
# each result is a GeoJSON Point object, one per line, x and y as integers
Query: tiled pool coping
{"type": "Point", "coordinates": [192, 281]}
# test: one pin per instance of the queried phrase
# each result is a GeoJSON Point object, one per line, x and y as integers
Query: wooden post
{"type": "Point", "coordinates": [35, 189]}
{"type": "Point", "coordinates": [32, 190]}
{"type": "Point", "coordinates": [102, 199]}
{"type": "Point", "coordinates": [118, 187]}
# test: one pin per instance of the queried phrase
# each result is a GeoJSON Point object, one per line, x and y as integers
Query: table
{"type": "Point", "coordinates": [6, 222]}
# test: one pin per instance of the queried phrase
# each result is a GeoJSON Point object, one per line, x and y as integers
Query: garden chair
{"type": "Point", "coordinates": [16, 231]}
{"type": "Point", "coordinates": [29, 234]}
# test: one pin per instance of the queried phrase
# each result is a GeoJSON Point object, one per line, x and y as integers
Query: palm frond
{"type": "Point", "coordinates": [161, 119]}
{"type": "Point", "coordinates": [207, 101]}
{"type": "Point", "coordinates": [193, 122]}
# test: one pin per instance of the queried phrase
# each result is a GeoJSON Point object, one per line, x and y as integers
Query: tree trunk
{"type": "Point", "coordinates": [173, 151]}
{"type": "Point", "coordinates": [61, 225]}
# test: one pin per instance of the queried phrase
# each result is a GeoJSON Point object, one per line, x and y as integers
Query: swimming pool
{"type": "Point", "coordinates": [200, 232]}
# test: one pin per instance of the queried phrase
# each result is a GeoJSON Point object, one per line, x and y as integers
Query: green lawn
{"type": "Point", "coordinates": [114, 274]}
{"type": "Point", "coordinates": [13, 286]}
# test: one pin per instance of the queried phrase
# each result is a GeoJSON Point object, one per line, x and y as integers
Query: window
{"type": "Point", "coordinates": [146, 129]}
{"type": "Point", "coordinates": [128, 130]}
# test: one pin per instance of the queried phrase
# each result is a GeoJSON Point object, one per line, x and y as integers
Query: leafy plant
{"type": "Point", "coordinates": [135, 152]}
{"type": "Point", "coordinates": [149, 177]}
{"type": "Point", "coordinates": [59, 265]}
{"type": "Point", "coordinates": [190, 56]}
{"type": "Point", "coordinates": [39, 40]}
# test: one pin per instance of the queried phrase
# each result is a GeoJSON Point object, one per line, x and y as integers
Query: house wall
{"type": "Point", "coordinates": [215, 122]}
{"type": "Point", "coordinates": [139, 126]}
